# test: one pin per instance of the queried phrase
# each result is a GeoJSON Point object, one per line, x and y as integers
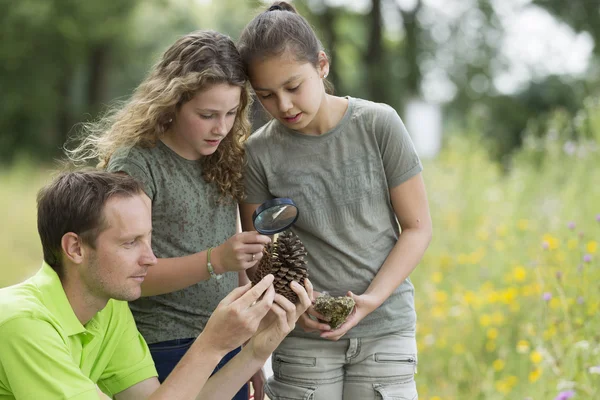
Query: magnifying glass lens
{"type": "Point", "coordinates": [274, 216]}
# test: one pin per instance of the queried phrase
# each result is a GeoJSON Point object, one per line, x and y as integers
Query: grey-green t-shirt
{"type": "Point", "coordinates": [186, 219]}
{"type": "Point", "coordinates": [341, 183]}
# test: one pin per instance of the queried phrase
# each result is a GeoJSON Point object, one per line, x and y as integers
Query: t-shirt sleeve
{"type": "Point", "coordinates": [125, 161]}
{"type": "Point", "coordinates": [400, 159]}
{"type": "Point", "coordinates": [35, 363]}
{"type": "Point", "coordinates": [131, 362]}
{"type": "Point", "coordinates": [255, 180]}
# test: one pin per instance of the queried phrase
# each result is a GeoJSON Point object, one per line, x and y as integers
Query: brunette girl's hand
{"type": "Point", "coordinates": [364, 305]}
{"type": "Point", "coordinates": [240, 252]}
{"type": "Point", "coordinates": [309, 324]}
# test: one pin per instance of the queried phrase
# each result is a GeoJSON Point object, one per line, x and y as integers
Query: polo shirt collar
{"type": "Point", "coordinates": [55, 299]}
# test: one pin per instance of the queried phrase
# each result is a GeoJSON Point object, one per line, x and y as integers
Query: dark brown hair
{"type": "Point", "coordinates": [278, 30]}
{"type": "Point", "coordinates": [74, 202]}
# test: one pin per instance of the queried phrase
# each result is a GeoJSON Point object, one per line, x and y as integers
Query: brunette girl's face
{"type": "Point", "coordinates": [290, 90]}
{"type": "Point", "coordinates": [203, 122]}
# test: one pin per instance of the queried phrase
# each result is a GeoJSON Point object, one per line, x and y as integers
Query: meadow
{"type": "Point", "coordinates": [508, 292]}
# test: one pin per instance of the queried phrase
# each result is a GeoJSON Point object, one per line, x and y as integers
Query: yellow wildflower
{"type": "Point", "coordinates": [469, 297]}
{"type": "Point", "coordinates": [498, 365]}
{"type": "Point", "coordinates": [519, 274]}
{"type": "Point", "coordinates": [535, 374]}
{"type": "Point", "coordinates": [523, 224]}
{"type": "Point", "coordinates": [485, 320]}
{"type": "Point", "coordinates": [445, 261]}
{"type": "Point", "coordinates": [440, 296]}
{"type": "Point", "coordinates": [554, 303]}
{"type": "Point", "coordinates": [502, 387]}
{"type": "Point", "coordinates": [458, 348]}
{"type": "Point", "coordinates": [550, 242]}
{"type": "Point", "coordinates": [535, 357]}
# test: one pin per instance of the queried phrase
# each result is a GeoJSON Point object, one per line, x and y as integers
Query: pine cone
{"type": "Point", "coordinates": [264, 265]}
{"type": "Point", "coordinates": [285, 260]}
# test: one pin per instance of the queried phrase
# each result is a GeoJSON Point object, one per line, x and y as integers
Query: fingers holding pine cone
{"type": "Point", "coordinates": [285, 259]}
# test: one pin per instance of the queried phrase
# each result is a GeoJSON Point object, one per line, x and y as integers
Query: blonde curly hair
{"type": "Point", "coordinates": [193, 63]}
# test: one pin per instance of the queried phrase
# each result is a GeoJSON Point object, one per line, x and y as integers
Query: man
{"type": "Point", "coordinates": [67, 332]}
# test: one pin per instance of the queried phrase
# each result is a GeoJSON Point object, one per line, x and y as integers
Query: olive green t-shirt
{"type": "Point", "coordinates": [186, 218]}
{"type": "Point", "coordinates": [341, 183]}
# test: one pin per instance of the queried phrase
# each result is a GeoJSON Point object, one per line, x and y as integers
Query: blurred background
{"type": "Point", "coordinates": [501, 99]}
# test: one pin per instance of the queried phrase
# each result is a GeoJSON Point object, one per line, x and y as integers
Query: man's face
{"type": "Point", "coordinates": [117, 266]}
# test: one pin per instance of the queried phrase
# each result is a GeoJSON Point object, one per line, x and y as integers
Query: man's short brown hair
{"type": "Point", "coordinates": [74, 202]}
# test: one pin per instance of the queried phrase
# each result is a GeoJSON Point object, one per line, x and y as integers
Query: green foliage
{"type": "Point", "coordinates": [508, 291]}
{"type": "Point", "coordinates": [62, 61]}
{"type": "Point", "coordinates": [504, 121]}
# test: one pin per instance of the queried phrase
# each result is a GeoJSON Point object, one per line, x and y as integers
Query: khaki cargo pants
{"type": "Point", "coordinates": [380, 367]}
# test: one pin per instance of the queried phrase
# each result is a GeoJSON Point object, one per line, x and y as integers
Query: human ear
{"type": "Point", "coordinates": [323, 64]}
{"type": "Point", "coordinates": [72, 247]}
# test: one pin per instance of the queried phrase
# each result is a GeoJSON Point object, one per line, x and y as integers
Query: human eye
{"type": "Point", "coordinates": [130, 243]}
{"type": "Point", "coordinates": [206, 116]}
{"type": "Point", "coordinates": [293, 89]}
{"type": "Point", "coordinates": [232, 113]}
{"type": "Point", "coordinates": [264, 96]}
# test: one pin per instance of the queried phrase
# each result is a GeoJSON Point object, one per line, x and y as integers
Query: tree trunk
{"type": "Point", "coordinates": [412, 32]}
{"type": "Point", "coordinates": [98, 61]}
{"type": "Point", "coordinates": [64, 118]}
{"type": "Point", "coordinates": [330, 42]}
{"type": "Point", "coordinates": [373, 57]}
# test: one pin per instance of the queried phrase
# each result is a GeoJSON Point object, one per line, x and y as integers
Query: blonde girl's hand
{"type": "Point", "coordinates": [364, 305]}
{"type": "Point", "coordinates": [240, 252]}
{"type": "Point", "coordinates": [310, 321]}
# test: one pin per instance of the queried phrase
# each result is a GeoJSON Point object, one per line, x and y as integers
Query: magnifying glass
{"type": "Point", "coordinates": [275, 216]}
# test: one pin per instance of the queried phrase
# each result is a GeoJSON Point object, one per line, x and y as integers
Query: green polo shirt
{"type": "Point", "coordinates": [46, 353]}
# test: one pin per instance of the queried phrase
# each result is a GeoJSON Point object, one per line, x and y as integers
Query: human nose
{"type": "Point", "coordinates": [285, 104]}
{"type": "Point", "coordinates": [148, 258]}
{"type": "Point", "coordinates": [220, 127]}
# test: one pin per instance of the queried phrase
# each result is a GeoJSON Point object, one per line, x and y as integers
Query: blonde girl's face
{"type": "Point", "coordinates": [203, 122]}
{"type": "Point", "coordinates": [291, 91]}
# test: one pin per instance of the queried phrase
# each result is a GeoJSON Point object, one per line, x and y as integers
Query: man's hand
{"type": "Point", "coordinates": [238, 315]}
{"type": "Point", "coordinates": [309, 324]}
{"type": "Point", "coordinates": [280, 321]}
{"type": "Point", "coordinates": [240, 252]}
{"type": "Point", "coordinates": [364, 305]}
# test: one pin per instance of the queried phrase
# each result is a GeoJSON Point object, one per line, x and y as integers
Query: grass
{"type": "Point", "coordinates": [507, 294]}
{"type": "Point", "coordinates": [20, 249]}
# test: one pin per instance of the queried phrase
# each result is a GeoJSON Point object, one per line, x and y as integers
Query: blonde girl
{"type": "Point", "coordinates": [181, 134]}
